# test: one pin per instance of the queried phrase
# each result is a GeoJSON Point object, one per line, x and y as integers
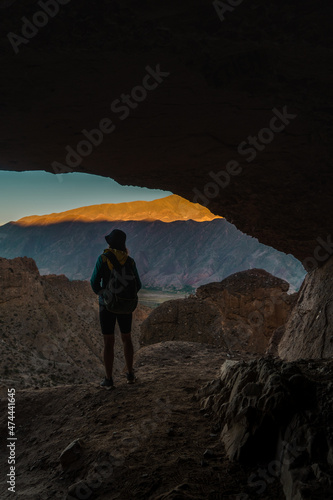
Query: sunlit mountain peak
{"type": "Point", "coordinates": [169, 209]}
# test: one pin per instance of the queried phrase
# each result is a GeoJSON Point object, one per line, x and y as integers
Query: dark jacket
{"type": "Point", "coordinates": [103, 267]}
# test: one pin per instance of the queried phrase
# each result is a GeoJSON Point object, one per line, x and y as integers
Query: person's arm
{"type": "Point", "coordinates": [97, 275]}
{"type": "Point", "coordinates": [137, 278]}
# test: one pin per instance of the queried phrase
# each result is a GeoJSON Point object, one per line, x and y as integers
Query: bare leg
{"type": "Point", "coordinates": [108, 354]}
{"type": "Point", "coordinates": [128, 351]}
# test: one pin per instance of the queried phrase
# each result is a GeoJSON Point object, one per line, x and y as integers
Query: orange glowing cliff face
{"type": "Point", "coordinates": [169, 209]}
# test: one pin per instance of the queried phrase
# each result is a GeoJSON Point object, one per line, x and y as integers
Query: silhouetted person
{"type": "Point", "coordinates": [99, 279]}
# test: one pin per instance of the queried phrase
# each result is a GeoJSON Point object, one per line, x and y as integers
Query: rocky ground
{"type": "Point", "coordinates": [147, 441]}
{"type": "Point", "coordinates": [203, 421]}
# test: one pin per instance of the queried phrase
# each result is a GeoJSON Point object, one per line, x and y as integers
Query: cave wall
{"type": "Point", "coordinates": [309, 331]}
{"type": "Point", "coordinates": [203, 82]}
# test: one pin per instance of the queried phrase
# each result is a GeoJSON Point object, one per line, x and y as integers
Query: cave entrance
{"type": "Point", "coordinates": [178, 245]}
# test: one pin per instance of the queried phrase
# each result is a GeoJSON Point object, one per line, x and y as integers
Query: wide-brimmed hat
{"type": "Point", "coordinates": [116, 239]}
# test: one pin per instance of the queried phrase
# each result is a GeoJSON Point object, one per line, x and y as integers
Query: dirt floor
{"type": "Point", "coordinates": [148, 441]}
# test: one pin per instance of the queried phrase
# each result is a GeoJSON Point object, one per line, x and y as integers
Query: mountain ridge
{"type": "Point", "coordinates": [180, 255]}
{"type": "Point", "coordinates": [168, 209]}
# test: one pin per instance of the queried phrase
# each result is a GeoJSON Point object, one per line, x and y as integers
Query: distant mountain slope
{"type": "Point", "coordinates": [168, 209]}
{"type": "Point", "coordinates": [176, 255]}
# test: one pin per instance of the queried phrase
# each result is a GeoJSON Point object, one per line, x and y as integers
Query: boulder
{"type": "Point", "coordinates": [71, 454]}
{"type": "Point", "coordinates": [182, 319]}
{"type": "Point", "coordinates": [239, 313]}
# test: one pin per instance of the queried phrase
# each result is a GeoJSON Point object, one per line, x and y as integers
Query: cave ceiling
{"type": "Point", "coordinates": [228, 104]}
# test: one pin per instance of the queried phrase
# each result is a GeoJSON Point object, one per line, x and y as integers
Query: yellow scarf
{"type": "Point", "coordinates": [120, 254]}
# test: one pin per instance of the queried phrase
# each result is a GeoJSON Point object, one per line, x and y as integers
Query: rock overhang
{"type": "Point", "coordinates": [233, 113]}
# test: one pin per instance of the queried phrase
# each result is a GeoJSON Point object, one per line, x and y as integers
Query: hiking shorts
{"type": "Point", "coordinates": [108, 321]}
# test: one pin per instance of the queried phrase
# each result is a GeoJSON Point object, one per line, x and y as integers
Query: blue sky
{"type": "Point", "coordinates": [39, 193]}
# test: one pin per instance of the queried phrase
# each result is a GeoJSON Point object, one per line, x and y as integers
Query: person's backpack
{"type": "Point", "coordinates": [121, 294]}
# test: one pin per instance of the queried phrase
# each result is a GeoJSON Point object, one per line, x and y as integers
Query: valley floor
{"type": "Point", "coordinates": [144, 441]}
{"type": "Point", "coordinates": [154, 298]}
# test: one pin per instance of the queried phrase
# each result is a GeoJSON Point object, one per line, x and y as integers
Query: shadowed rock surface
{"type": "Point", "coordinates": [309, 331]}
{"type": "Point", "coordinates": [278, 414]}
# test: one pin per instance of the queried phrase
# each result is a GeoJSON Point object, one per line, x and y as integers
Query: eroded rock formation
{"type": "Point", "coordinates": [277, 415]}
{"type": "Point", "coordinates": [239, 313]}
{"type": "Point", "coordinates": [49, 328]}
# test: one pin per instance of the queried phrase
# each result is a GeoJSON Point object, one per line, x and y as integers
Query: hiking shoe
{"type": "Point", "coordinates": [130, 378]}
{"type": "Point", "coordinates": [107, 383]}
